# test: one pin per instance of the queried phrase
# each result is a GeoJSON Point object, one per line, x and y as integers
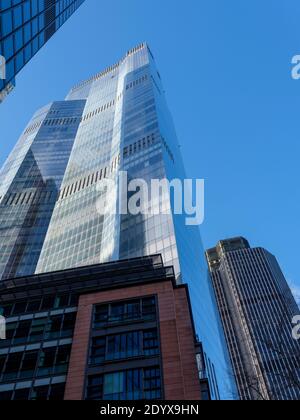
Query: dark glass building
{"type": "Point", "coordinates": [256, 307]}
{"type": "Point", "coordinates": [117, 331]}
{"type": "Point", "coordinates": [25, 26]}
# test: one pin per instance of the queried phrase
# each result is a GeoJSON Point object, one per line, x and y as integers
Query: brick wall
{"type": "Point", "coordinates": [180, 375]}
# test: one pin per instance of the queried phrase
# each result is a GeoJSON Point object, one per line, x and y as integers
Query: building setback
{"type": "Point", "coordinates": [256, 307]}
{"type": "Point", "coordinates": [25, 26]}
{"type": "Point", "coordinates": [116, 331]}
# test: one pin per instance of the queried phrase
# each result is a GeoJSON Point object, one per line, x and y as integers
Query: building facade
{"type": "Point", "coordinates": [124, 127]}
{"type": "Point", "coordinates": [25, 26]}
{"type": "Point", "coordinates": [256, 307]}
{"type": "Point", "coordinates": [30, 181]}
{"type": "Point", "coordinates": [117, 331]}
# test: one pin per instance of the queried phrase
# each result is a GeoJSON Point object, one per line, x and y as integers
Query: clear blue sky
{"type": "Point", "coordinates": [226, 69]}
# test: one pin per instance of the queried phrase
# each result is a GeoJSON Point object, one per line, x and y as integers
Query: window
{"type": "Point", "coordinates": [29, 364]}
{"type": "Point", "coordinates": [57, 392]}
{"type": "Point", "coordinates": [22, 332]}
{"type": "Point", "coordinates": [46, 362]}
{"type": "Point", "coordinates": [40, 393]}
{"type": "Point", "coordinates": [37, 329]}
{"type": "Point", "coordinates": [95, 388]}
{"type": "Point", "coordinates": [151, 343]}
{"type": "Point", "coordinates": [35, 305]}
{"type": "Point", "coordinates": [101, 315]}
{"type": "Point", "coordinates": [2, 361]}
{"type": "Point", "coordinates": [53, 327]}
{"type": "Point", "coordinates": [21, 394]}
{"type": "Point", "coordinates": [98, 351]}
{"type": "Point", "coordinates": [139, 309]}
{"type": "Point", "coordinates": [149, 308]}
{"type": "Point", "coordinates": [6, 23]}
{"type": "Point", "coordinates": [152, 384]}
{"type": "Point", "coordinates": [124, 346]}
{"type": "Point", "coordinates": [6, 396]}
{"type": "Point", "coordinates": [124, 311]}
{"type": "Point", "coordinates": [115, 386]}
{"type": "Point", "coordinates": [68, 325]}
{"type": "Point", "coordinates": [19, 308]}
{"type": "Point", "coordinates": [12, 366]}
{"type": "Point", "coordinates": [62, 359]}
{"type": "Point", "coordinates": [5, 310]}
{"type": "Point", "coordinates": [48, 303]}
{"type": "Point", "coordinates": [48, 392]}
{"type": "Point", "coordinates": [135, 384]}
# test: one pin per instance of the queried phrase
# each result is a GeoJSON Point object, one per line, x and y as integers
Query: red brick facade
{"type": "Point", "coordinates": [180, 374]}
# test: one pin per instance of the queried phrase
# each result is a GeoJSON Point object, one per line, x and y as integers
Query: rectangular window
{"type": "Point", "coordinates": [62, 359]}
{"type": "Point", "coordinates": [12, 366]}
{"type": "Point", "coordinates": [98, 351]}
{"type": "Point", "coordinates": [37, 329]}
{"type": "Point", "coordinates": [135, 384]}
{"type": "Point", "coordinates": [127, 311]}
{"type": "Point", "coordinates": [29, 364]}
{"type": "Point", "coordinates": [46, 362]}
{"type": "Point", "coordinates": [22, 332]}
{"type": "Point", "coordinates": [151, 343]}
{"type": "Point", "coordinates": [53, 327]}
{"type": "Point", "coordinates": [124, 346]}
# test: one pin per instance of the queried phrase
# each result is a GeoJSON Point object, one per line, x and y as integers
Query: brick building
{"type": "Point", "coordinates": [117, 331]}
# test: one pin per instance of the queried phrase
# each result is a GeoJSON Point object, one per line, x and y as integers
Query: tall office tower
{"type": "Point", "coordinates": [257, 308]}
{"type": "Point", "coordinates": [29, 184]}
{"type": "Point", "coordinates": [25, 26]}
{"type": "Point", "coordinates": [125, 126]}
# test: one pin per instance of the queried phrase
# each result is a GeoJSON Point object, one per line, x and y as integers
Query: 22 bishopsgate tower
{"type": "Point", "coordinates": [50, 190]}
{"type": "Point", "coordinates": [25, 26]}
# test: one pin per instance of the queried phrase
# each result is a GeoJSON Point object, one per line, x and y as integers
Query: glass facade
{"type": "Point", "coordinates": [34, 357]}
{"type": "Point", "coordinates": [123, 125]}
{"type": "Point", "coordinates": [29, 184]}
{"type": "Point", "coordinates": [25, 26]}
{"type": "Point", "coordinates": [257, 308]}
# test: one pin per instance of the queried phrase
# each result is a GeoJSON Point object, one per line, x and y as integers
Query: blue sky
{"type": "Point", "coordinates": [226, 67]}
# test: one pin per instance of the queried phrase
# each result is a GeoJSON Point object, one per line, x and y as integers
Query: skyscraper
{"type": "Point", "coordinates": [124, 126]}
{"type": "Point", "coordinates": [257, 308]}
{"type": "Point", "coordinates": [25, 26]}
{"type": "Point", "coordinates": [29, 184]}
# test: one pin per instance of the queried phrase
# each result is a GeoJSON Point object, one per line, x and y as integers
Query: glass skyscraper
{"type": "Point", "coordinates": [25, 26]}
{"type": "Point", "coordinates": [257, 308]}
{"type": "Point", "coordinates": [117, 121]}
{"type": "Point", "coordinates": [29, 184]}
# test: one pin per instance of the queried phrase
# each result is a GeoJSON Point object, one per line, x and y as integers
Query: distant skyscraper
{"type": "Point", "coordinates": [257, 308]}
{"type": "Point", "coordinates": [25, 26]}
{"type": "Point", "coordinates": [120, 122]}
